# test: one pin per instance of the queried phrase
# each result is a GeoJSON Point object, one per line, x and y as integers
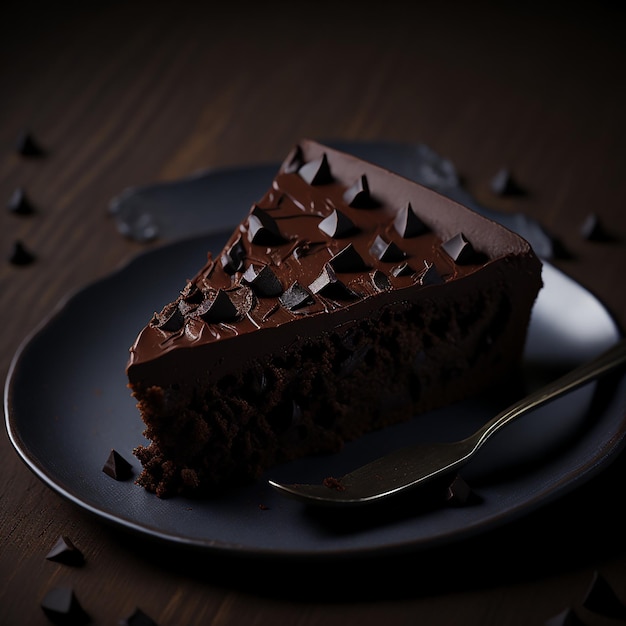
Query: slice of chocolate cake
{"type": "Point", "coordinates": [349, 298]}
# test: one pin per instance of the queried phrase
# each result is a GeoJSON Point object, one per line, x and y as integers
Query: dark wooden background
{"type": "Point", "coordinates": [125, 94]}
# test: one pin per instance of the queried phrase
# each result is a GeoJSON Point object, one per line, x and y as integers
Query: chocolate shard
{"type": "Point", "coordinates": [138, 618]}
{"type": "Point", "coordinates": [192, 293]}
{"type": "Point", "coordinates": [567, 617]}
{"type": "Point", "coordinates": [380, 280]}
{"type": "Point", "coordinates": [386, 250]}
{"type": "Point", "coordinates": [170, 319]}
{"type": "Point", "coordinates": [20, 255]}
{"type": "Point", "coordinates": [262, 228]}
{"type": "Point", "coordinates": [503, 184]}
{"type": "Point", "coordinates": [601, 598]}
{"type": "Point", "coordinates": [592, 229]}
{"type": "Point", "coordinates": [358, 194]}
{"type": "Point", "coordinates": [430, 275]}
{"type": "Point", "coordinates": [232, 261]}
{"type": "Point", "coordinates": [64, 551]}
{"type": "Point", "coordinates": [219, 308]}
{"type": "Point", "coordinates": [460, 249]}
{"type": "Point", "coordinates": [295, 297]}
{"type": "Point", "coordinates": [117, 467]}
{"type": "Point", "coordinates": [328, 284]}
{"type": "Point", "coordinates": [337, 225]}
{"type": "Point", "coordinates": [61, 606]}
{"type": "Point", "coordinates": [28, 146]}
{"type": "Point", "coordinates": [404, 269]}
{"type": "Point", "coordinates": [294, 160]}
{"type": "Point", "coordinates": [460, 493]}
{"type": "Point", "coordinates": [19, 203]}
{"type": "Point", "coordinates": [317, 172]}
{"type": "Point", "coordinates": [348, 260]}
{"type": "Point", "coordinates": [408, 224]}
{"type": "Point", "coordinates": [263, 281]}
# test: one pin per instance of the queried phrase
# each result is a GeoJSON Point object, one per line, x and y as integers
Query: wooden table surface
{"type": "Point", "coordinates": [126, 94]}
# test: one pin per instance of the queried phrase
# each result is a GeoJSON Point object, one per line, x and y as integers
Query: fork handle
{"type": "Point", "coordinates": [597, 367]}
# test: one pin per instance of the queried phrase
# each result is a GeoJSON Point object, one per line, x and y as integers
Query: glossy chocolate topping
{"type": "Point", "coordinates": [334, 239]}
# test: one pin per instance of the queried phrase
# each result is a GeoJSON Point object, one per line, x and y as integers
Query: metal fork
{"type": "Point", "coordinates": [416, 465]}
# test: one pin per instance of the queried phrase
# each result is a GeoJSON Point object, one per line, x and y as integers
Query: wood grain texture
{"type": "Point", "coordinates": [125, 94]}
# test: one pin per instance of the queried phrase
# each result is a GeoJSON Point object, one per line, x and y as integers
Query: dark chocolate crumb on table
{"type": "Point", "coordinates": [117, 467]}
{"type": "Point", "coordinates": [64, 551]}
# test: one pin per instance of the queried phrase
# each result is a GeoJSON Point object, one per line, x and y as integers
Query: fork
{"type": "Point", "coordinates": [416, 465]}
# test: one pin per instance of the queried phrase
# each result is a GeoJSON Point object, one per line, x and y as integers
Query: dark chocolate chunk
{"type": "Point", "coordinates": [192, 293]}
{"type": "Point", "coordinates": [316, 172]}
{"type": "Point", "coordinates": [380, 280]}
{"type": "Point", "coordinates": [430, 276]}
{"type": "Point", "coordinates": [328, 284]}
{"type": "Point", "coordinates": [460, 493]}
{"type": "Point", "coordinates": [386, 250]}
{"type": "Point", "coordinates": [408, 224]}
{"type": "Point", "coordinates": [62, 607]}
{"type": "Point", "coordinates": [404, 269]}
{"type": "Point", "coordinates": [460, 249]}
{"type": "Point", "coordinates": [503, 184]}
{"type": "Point", "coordinates": [348, 260]}
{"type": "Point", "coordinates": [294, 161]}
{"type": "Point", "coordinates": [19, 203]}
{"type": "Point", "coordinates": [64, 551]}
{"type": "Point", "coordinates": [138, 618]}
{"type": "Point", "coordinates": [358, 194]}
{"type": "Point", "coordinates": [263, 281]}
{"type": "Point", "coordinates": [592, 229]}
{"type": "Point", "coordinates": [295, 297]}
{"type": "Point", "coordinates": [170, 319]}
{"type": "Point", "coordinates": [232, 261]}
{"type": "Point", "coordinates": [262, 229]}
{"type": "Point", "coordinates": [28, 146]}
{"type": "Point", "coordinates": [117, 467]}
{"type": "Point", "coordinates": [20, 255]}
{"type": "Point", "coordinates": [567, 617]}
{"type": "Point", "coordinates": [602, 599]}
{"type": "Point", "coordinates": [337, 224]}
{"type": "Point", "coordinates": [219, 308]}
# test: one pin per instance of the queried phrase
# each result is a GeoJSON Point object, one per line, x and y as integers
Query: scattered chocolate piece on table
{"type": "Point", "coordinates": [567, 617]}
{"type": "Point", "coordinates": [592, 229]}
{"type": "Point", "coordinates": [20, 255]}
{"type": "Point", "coordinates": [503, 184]}
{"type": "Point", "coordinates": [62, 607]}
{"type": "Point", "coordinates": [20, 204]}
{"type": "Point", "coordinates": [28, 146]}
{"type": "Point", "coordinates": [460, 493]}
{"type": "Point", "coordinates": [117, 467]}
{"type": "Point", "coordinates": [602, 599]}
{"type": "Point", "coordinates": [64, 551]}
{"type": "Point", "coordinates": [138, 618]}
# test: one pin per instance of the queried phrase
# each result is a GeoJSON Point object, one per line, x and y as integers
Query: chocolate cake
{"type": "Point", "coordinates": [349, 298]}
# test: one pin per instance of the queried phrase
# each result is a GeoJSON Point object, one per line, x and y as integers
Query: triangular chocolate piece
{"type": "Point", "coordinates": [348, 260]}
{"type": "Point", "coordinates": [337, 225]}
{"type": "Point", "coordinates": [117, 467]}
{"type": "Point", "coordinates": [62, 607]}
{"type": "Point", "coordinates": [404, 269]}
{"type": "Point", "coordinates": [219, 308]}
{"type": "Point", "coordinates": [138, 618]}
{"type": "Point", "coordinates": [263, 281]}
{"type": "Point", "coordinates": [316, 172]}
{"type": "Point", "coordinates": [328, 284]}
{"type": "Point", "coordinates": [262, 228]}
{"type": "Point", "coordinates": [358, 194]}
{"type": "Point", "coordinates": [503, 184]}
{"type": "Point", "coordinates": [430, 275]}
{"type": "Point", "coordinates": [170, 319]}
{"type": "Point", "coordinates": [64, 551]}
{"type": "Point", "coordinates": [294, 160]}
{"type": "Point", "coordinates": [460, 249]}
{"type": "Point", "coordinates": [232, 260]}
{"type": "Point", "coordinates": [295, 297]}
{"type": "Point", "coordinates": [407, 224]}
{"type": "Point", "coordinates": [27, 145]}
{"type": "Point", "coordinates": [602, 599]}
{"type": "Point", "coordinates": [19, 203]}
{"type": "Point", "coordinates": [20, 255]}
{"type": "Point", "coordinates": [386, 250]}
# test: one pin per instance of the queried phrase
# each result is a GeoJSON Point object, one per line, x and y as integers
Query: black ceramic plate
{"type": "Point", "coordinates": [67, 406]}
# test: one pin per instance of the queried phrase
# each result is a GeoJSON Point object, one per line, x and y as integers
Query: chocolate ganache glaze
{"type": "Point", "coordinates": [335, 239]}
